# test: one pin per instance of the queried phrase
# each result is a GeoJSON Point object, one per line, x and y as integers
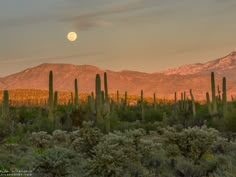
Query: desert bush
{"type": "Point", "coordinates": [54, 162]}
{"type": "Point", "coordinates": [41, 124]}
{"type": "Point", "coordinates": [15, 156]}
{"type": "Point", "coordinates": [230, 121]}
{"type": "Point", "coordinates": [115, 156]}
{"type": "Point", "coordinates": [27, 115]}
{"type": "Point", "coordinates": [60, 137]}
{"type": "Point", "coordinates": [198, 152]}
{"type": "Point", "coordinates": [152, 115]}
{"type": "Point", "coordinates": [192, 143]}
{"type": "Point", "coordinates": [130, 114]}
{"type": "Point", "coordinates": [41, 139]}
{"type": "Point", "coordinates": [188, 168]}
{"type": "Point", "coordinates": [85, 139]}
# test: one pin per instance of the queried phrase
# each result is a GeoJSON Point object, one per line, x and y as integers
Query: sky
{"type": "Point", "coordinates": [142, 35]}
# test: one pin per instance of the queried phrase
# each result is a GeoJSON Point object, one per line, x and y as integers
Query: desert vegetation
{"type": "Point", "coordinates": [100, 134]}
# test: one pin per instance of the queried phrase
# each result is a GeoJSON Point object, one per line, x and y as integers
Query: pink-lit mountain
{"type": "Point", "coordinates": [222, 66]}
{"type": "Point", "coordinates": [193, 76]}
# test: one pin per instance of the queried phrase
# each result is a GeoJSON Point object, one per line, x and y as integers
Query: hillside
{"type": "Point", "coordinates": [194, 76]}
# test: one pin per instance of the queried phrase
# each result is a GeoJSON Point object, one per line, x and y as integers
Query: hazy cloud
{"type": "Point", "coordinates": [112, 11]}
{"type": "Point", "coordinates": [85, 21]}
{"type": "Point", "coordinates": [30, 20]}
{"type": "Point", "coordinates": [50, 59]}
{"type": "Point", "coordinates": [100, 18]}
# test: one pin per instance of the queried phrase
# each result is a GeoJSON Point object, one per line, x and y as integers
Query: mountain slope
{"type": "Point", "coordinates": [195, 77]}
{"type": "Point", "coordinates": [222, 66]}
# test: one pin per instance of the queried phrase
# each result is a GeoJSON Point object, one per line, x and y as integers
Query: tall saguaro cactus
{"type": "Point", "coordinates": [219, 95]}
{"type": "Point", "coordinates": [106, 105]}
{"type": "Point", "coordinates": [92, 95]}
{"type": "Point", "coordinates": [213, 92]}
{"type": "Point", "coordinates": [50, 96]}
{"type": "Point", "coordinates": [117, 97]}
{"type": "Point", "coordinates": [98, 98]}
{"type": "Point", "coordinates": [106, 115]}
{"type": "Point", "coordinates": [76, 101]}
{"type": "Point", "coordinates": [103, 96]}
{"type": "Point", "coordinates": [125, 100]}
{"type": "Point", "coordinates": [182, 101]}
{"type": "Point", "coordinates": [106, 87]}
{"type": "Point", "coordinates": [193, 103]}
{"type": "Point", "coordinates": [175, 97]}
{"type": "Point", "coordinates": [5, 105]}
{"type": "Point", "coordinates": [185, 102]}
{"type": "Point", "coordinates": [71, 100]}
{"type": "Point", "coordinates": [154, 101]}
{"type": "Point", "coordinates": [142, 106]}
{"type": "Point", "coordinates": [208, 103]}
{"type": "Point", "coordinates": [224, 95]}
{"type": "Point", "coordinates": [91, 103]}
{"type": "Point", "coordinates": [55, 100]}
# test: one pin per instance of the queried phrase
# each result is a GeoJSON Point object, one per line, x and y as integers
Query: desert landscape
{"type": "Point", "coordinates": [128, 88]}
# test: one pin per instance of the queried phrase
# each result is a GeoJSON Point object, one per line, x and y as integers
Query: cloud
{"type": "Point", "coordinates": [24, 21]}
{"type": "Point", "coordinates": [49, 59]}
{"type": "Point", "coordinates": [101, 18]}
{"type": "Point", "coordinates": [112, 11]}
{"type": "Point", "coordinates": [84, 21]}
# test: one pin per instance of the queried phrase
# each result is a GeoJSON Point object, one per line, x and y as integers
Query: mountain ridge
{"type": "Point", "coordinates": [193, 76]}
{"type": "Point", "coordinates": [213, 65]}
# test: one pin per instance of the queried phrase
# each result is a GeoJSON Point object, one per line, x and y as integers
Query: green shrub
{"type": "Point", "coordinates": [152, 115]}
{"type": "Point", "coordinates": [16, 156]}
{"type": "Point", "coordinates": [54, 162]}
{"type": "Point", "coordinates": [130, 114]}
{"type": "Point", "coordinates": [85, 139]}
{"type": "Point", "coordinates": [230, 121]}
{"type": "Point", "coordinates": [41, 140]}
{"type": "Point", "coordinates": [192, 143]}
{"type": "Point", "coordinates": [60, 137]}
{"type": "Point", "coordinates": [115, 156]}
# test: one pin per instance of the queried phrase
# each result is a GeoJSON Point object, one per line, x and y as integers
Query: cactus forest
{"type": "Point", "coordinates": [104, 135]}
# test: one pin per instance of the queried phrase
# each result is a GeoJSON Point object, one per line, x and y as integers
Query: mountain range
{"type": "Point", "coordinates": [164, 84]}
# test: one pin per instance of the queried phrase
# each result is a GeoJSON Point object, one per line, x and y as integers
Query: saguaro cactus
{"type": "Point", "coordinates": [117, 97]}
{"type": "Point", "coordinates": [106, 87]}
{"type": "Point", "coordinates": [92, 95]}
{"type": "Point", "coordinates": [193, 103]}
{"type": "Point", "coordinates": [213, 92]}
{"type": "Point", "coordinates": [55, 100]}
{"type": "Point", "coordinates": [50, 97]}
{"type": "Point", "coordinates": [71, 100]}
{"type": "Point", "coordinates": [219, 95]}
{"type": "Point", "coordinates": [154, 101]}
{"type": "Point", "coordinates": [185, 102]}
{"type": "Point", "coordinates": [142, 106]}
{"type": "Point", "coordinates": [175, 97]}
{"type": "Point", "coordinates": [103, 96]}
{"type": "Point", "coordinates": [224, 95]}
{"type": "Point", "coordinates": [182, 101]}
{"type": "Point", "coordinates": [208, 103]}
{"type": "Point", "coordinates": [106, 115]}
{"type": "Point", "coordinates": [5, 105]}
{"type": "Point", "coordinates": [98, 98]}
{"type": "Point", "coordinates": [91, 104]}
{"type": "Point", "coordinates": [76, 99]}
{"type": "Point", "coordinates": [106, 105]}
{"type": "Point", "coordinates": [126, 99]}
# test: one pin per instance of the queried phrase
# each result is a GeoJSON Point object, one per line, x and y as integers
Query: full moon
{"type": "Point", "coordinates": [72, 36]}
